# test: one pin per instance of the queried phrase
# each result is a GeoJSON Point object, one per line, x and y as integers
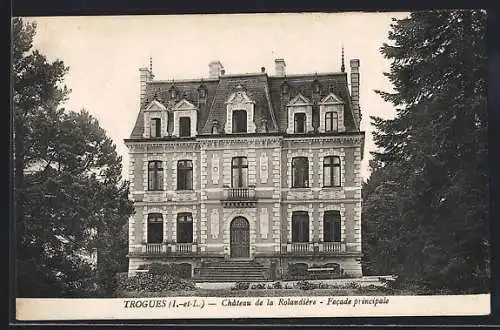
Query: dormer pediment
{"type": "Point", "coordinates": [155, 106]}
{"type": "Point", "coordinates": [331, 99]}
{"type": "Point", "coordinates": [185, 105]}
{"type": "Point", "coordinates": [240, 96]}
{"type": "Point", "coordinates": [299, 100]}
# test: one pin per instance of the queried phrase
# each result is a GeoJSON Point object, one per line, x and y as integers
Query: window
{"type": "Point", "coordinates": [331, 171]}
{"type": "Point", "coordinates": [300, 172]}
{"type": "Point", "coordinates": [239, 121]}
{"type": "Point", "coordinates": [184, 126]}
{"type": "Point", "coordinates": [155, 175]}
{"type": "Point", "coordinates": [184, 175]}
{"type": "Point", "coordinates": [331, 121]}
{"type": "Point", "coordinates": [331, 226]}
{"type": "Point", "coordinates": [239, 172]}
{"type": "Point", "coordinates": [155, 127]}
{"type": "Point", "coordinates": [155, 228]}
{"type": "Point", "coordinates": [299, 122]}
{"type": "Point", "coordinates": [215, 126]}
{"type": "Point", "coordinates": [300, 226]}
{"type": "Point", "coordinates": [184, 228]}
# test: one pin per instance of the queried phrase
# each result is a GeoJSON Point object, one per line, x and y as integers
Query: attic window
{"type": "Point", "coordinates": [173, 92]}
{"type": "Point", "coordinates": [239, 121]}
{"type": "Point", "coordinates": [300, 123]}
{"type": "Point", "coordinates": [155, 127]}
{"type": "Point", "coordinates": [184, 126]}
{"type": "Point", "coordinates": [215, 127]}
{"type": "Point", "coordinates": [202, 92]}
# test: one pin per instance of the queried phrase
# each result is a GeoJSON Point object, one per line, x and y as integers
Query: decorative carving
{"type": "Point", "coordinates": [214, 223]}
{"type": "Point", "coordinates": [264, 168]}
{"type": "Point", "coordinates": [215, 169]}
{"type": "Point", "coordinates": [264, 223]}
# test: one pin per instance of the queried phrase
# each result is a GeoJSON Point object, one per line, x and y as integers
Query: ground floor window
{"type": "Point", "coordinates": [300, 226]}
{"type": "Point", "coordinates": [184, 228]}
{"type": "Point", "coordinates": [331, 226]}
{"type": "Point", "coordinates": [155, 228]}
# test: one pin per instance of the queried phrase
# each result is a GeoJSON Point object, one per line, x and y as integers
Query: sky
{"type": "Point", "coordinates": [104, 54]}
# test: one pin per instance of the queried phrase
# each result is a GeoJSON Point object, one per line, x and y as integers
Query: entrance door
{"type": "Point", "coordinates": [240, 238]}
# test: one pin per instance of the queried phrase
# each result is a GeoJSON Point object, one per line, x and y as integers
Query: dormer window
{"type": "Point", "coordinates": [184, 126]}
{"type": "Point", "coordinates": [215, 126]}
{"type": "Point", "coordinates": [331, 121]}
{"type": "Point", "coordinates": [202, 92]}
{"type": "Point", "coordinates": [239, 121]}
{"type": "Point", "coordinates": [155, 127]}
{"type": "Point", "coordinates": [299, 123]}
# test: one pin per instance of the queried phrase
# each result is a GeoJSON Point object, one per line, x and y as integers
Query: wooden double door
{"type": "Point", "coordinates": [240, 238]}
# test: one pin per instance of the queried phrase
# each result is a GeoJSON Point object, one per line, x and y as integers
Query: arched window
{"type": "Point", "coordinates": [300, 226]}
{"type": "Point", "coordinates": [239, 172]}
{"type": "Point", "coordinates": [184, 175]}
{"type": "Point", "coordinates": [331, 122]}
{"type": "Point", "coordinates": [185, 228]}
{"type": "Point", "coordinates": [239, 121]}
{"type": "Point", "coordinates": [155, 228]}
{"type": "Point", "coordinates": [300, 172]}
{"type": "Point", "coordinates": [331, 226]}
{"type": "Point", "coordinates": [155, 127]}
{"type": "Point", "coordinates": [155, 175]}
{"type": "Point", "coordinates": [184, 126]}
{"type": "Point", "coordinates": [299, 120]}
{"type": "Point", "coordinates": [331, 171]}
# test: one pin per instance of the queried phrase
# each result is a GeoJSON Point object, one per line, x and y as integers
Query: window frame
{"type": "Point", "coordinates": [185, 174]}
{"type": "Point", "coordinates": [241, 169]}
{"type": "Point", "coordinates": [235, 121]}
{"type": "Point", "coordinates": [305, 175]}
{"type": "Point", "coordinates": [296, 121]}
{"type": "Point", "coordinates": [156, 123]}
{"type": "Point", "coordinates": [155, 236]}
{"type": "Point", "coordinates": [301, 223]}
{"type": "Point", "coordinates": [333, 219]}
{"type": "Point", "coordinates": [332, 164]}
{"type": "Point", "coordinates": [155, 175]}
{"type": "Point", "coordinates": [334, 118]}
{"type": "Point", "coordinates": [184, 228]}
{"type": "Point", "coordinates": [183, 128]}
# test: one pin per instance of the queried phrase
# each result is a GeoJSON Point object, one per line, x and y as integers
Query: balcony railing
{"type": "Point", "coordinates": [239, 197]}
{"type": "Point", "coordinates": [332, 247]}
{"type": "Point", "coordinates": [184, 247]}
{"type": "Point", "coordinates": [314, 247]}
{"type": "Point", "coordinates": [154, 248]}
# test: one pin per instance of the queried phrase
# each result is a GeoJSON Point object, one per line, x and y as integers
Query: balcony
{"type": "Point", "coordinates": [239, 197]}
{"type": "Point", "coordinates": [313, 248]}
{"type": "Point", "coordinates": [169, 249]}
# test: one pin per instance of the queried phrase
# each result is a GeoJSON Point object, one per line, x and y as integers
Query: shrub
{"type": "Point", "coordinates": [353, 285]}
{"type": "Point", "coordinates": [241, 286]}
{"type": "Point", "coordinates": [154, 282]}
{"type": "Point", "coordinates": [176, 270]}
{"type": "Point", "coordinates": [304, 285]}
{"type": "Point", "coordinates": [258, 286]}
{"type": "Point", "coordinates": [277, 285]}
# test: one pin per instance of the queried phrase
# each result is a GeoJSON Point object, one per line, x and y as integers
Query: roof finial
{"type": "Point", "coordinates": [342, 67]}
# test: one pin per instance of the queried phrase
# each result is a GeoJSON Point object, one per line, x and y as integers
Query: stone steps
{"type": "Point", "coordinates": [231, 271]}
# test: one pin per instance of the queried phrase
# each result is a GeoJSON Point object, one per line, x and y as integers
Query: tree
{"type": "Point", "coordinates": [435, 151]}
{"type": "Point", "coordinates": [69, 193]}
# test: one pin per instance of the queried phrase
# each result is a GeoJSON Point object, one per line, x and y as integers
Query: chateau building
{"type": "Point", "coordinates": [253, 176]}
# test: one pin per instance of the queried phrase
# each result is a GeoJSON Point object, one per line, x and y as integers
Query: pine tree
{"type": "Point", "coordinates": [436, 150]}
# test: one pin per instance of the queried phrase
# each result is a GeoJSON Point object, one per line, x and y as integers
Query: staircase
{"type": "Point", "coordinates": [231, 271]}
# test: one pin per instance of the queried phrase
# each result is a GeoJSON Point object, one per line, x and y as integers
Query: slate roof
{"type": "Point", "coordinates": [264, 90]}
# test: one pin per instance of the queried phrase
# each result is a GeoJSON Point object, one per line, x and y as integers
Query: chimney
{"type": "Point", "coordinates": [355, 90]}
{"type": "Point", "coordinates": [145, 76]}
{"type": "Point", "coordinates": [215, 69]}
{"type": "Point", "coordinates": [280, 67]}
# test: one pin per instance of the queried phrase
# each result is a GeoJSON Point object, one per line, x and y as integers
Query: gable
{"type": "Point", "coordinates": [240, 96]}
{"type": "Point", "coordinates": [185, 105]}
{"type": "Point", "coordinates": [331, 99]}
{"type": "Point", "coordinates": [155, 106]}
{"type": "Point", "coordinates": [298, 101]}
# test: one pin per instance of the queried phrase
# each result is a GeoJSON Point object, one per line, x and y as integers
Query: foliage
{"type": "Point", "coordinates": [241, 286]}
{"type": "Point", "coordinates": [258, 286]}
{"type": "Point", "coordinates": [155, 282]}
{"type": "Point", "coordinates": [176, 270]}
{"type": "Point", "coordinates": [69, 195]}
{"type": "Point", "coordinates": [425, 207]}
